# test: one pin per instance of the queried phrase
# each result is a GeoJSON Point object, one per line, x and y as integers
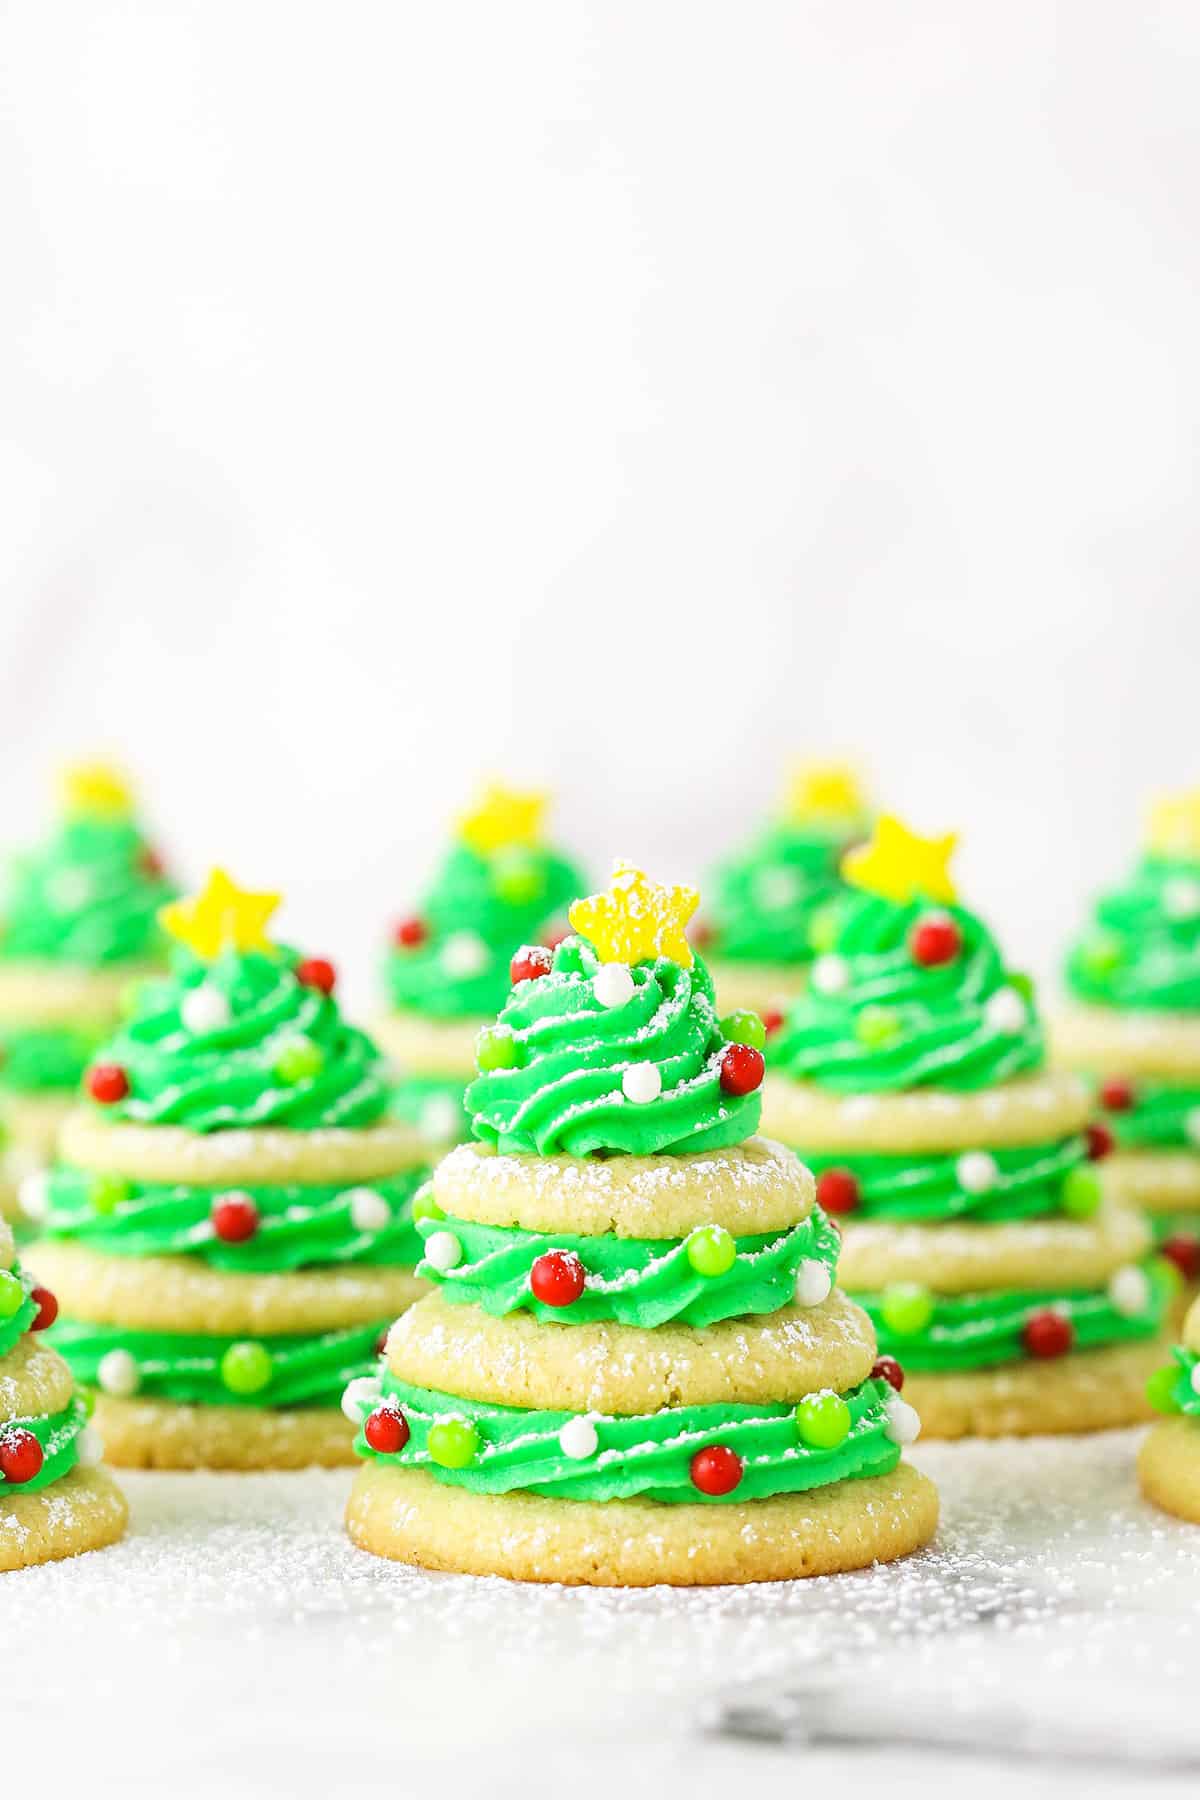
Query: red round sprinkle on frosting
{"type": "Point", "coordinates": [1116, 1095]}
{"type": "Point", "coordinates": [934, 940]}
{"type": "Point", "coordinates": [742, 1069]}
{"type": "Point", "coordinates": [234, 1218]}
{"type": "Point", "coordinates": [557, 1278]}
{"type": "Point", "coordinates": [1048, 1334]}
{"type": "Point", "coordinates": [701, 933]}
{"type": "Point", "coordinates": [716, 1469]}
{"type": "Point", "coordinates": [47, 1308]}
{"type": "Point", "coordinates": [772, 1021]}
{"type": "Point", "coordinates": [1100, 1142]}
{"type": "Point", "coordinates": [552, 939]}
{"type": "Point", "coordinates": [1183, 1249]}
{"type": "Point", "coordinates": [886, 1368]}
{"type": "Point", "coordinates": [107, 1083]}
{"type": "Point", "coordinates": [150, 862]}
{"type": "Point", "coordinates": [21, 1456]}
{"type": "Point", "coordinates": [838, 1191]}
{"type": "Point", "coordinates": [381, 1341]}
{"type": "Point", "coordinates": [410, 932]}
{"type": "Point", "coordinates": [316, 972]}
{"type": "Point", "coordinates": [387, 1430]}
{"type": "Point", "coordinates": [531, 962]}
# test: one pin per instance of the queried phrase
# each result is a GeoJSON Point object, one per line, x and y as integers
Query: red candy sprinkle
{"type": "Point", "coordinates": [886, 1368]}
{"type": "Point", "coordinates": [1116, 1096]}
{"type": "Point", "coordinates": [716, 1469]}
{"type": "Point", "coordinates": [387, 1430]}
{"type": "Point", "coordinates": [20, 1456]}
{"type": "Point", "coordinates": [1048, 1334]}
{"type": "Point", "coordinates": [531, 962]}
{"type": "Point", "coordinates": [772, 1021]}
{"type": "Point", "coordinates": [1100, 1142]}
{"type": "Point", "coordinates": [107, 1083]}
{"type": "Point", "coordinates": [838, 1192]}
{"type": "Point", "coordinates": [151, 862]}
{"type": "Point", "coordinates": [234, 1218]}
{"type": "Point", "coordinates": [742, 1069]}
{"type": "Point", "coordinates": [557, 1278]}
{"type": "Point", "coordinates": [409, 932]}
{"type": "Point", "coordinates": [315, 972]}
{"type": "Point", "coordinates": [1183, 1250]}
{"type": "Point", "coordinates": [701, 933]}
{"type": "Point", "coordinates": [381, 1341]}
{"type": "Point", "coordinates": [552, 939]}
{"type": "Point", "coordinates": [935, 939]}
{"type": "Point", "coordinates": [47, 1308]}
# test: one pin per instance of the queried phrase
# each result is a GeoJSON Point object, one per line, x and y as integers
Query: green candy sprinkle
{"type": "Point", "coordinates": [107, 1192]}
{"type": "Point", "coordinates": [12, 1294]}
{"type": "Point", "coordinates": [299, 1060]}
{"type": "Point", "coordinates": [495, 1048]}
{"type": "Point", "coordinates": [823, 929]}
{"type": "Point", "coordinates": [516, 878]}
{"type": "Point", "coordinates": [1160, 1390]}
{"type": "Point", "coordinates": [823, 1421]}
{"type": "Point", "coordinates": [425, 1207]}
{"type": "Point", "coordinates": [1102, 953]}
{"type": "Point", "coordinates": [711, 1250]}
{"type": "Point", "coordinates": [878, 1026]}
{"type": "Point", "coordinates": [246, 1368]}
{"type": "Point", "coordinates": [452, 1443]}
{"type": "Point", "coordinates": [1081, 1193]}
{"type": "Point", "coordinates": [906, 1308]}
{"type": "Point", "coordinates": [744, 1028]}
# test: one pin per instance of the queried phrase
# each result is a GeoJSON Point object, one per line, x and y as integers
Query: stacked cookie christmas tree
{"type": "Point", "coordinates": [54, 1500]}
{"type": "Point", "coordinates": [637, 1367]}
{"type": "Point", "coordinates": [771, 908]}
{"type": "Point", "coordinates": [229, 1227]}
{"type": "Point", "coordinates": [911, 1077]}
{"type": "Point", "coordinates": [1134, 1028]}
{"type": "Point", "coordinates": [79, 926]}
{"type": "Point", "coordinates": [447, 966]}
{"type": "Point", "coordinates": [1169, 1464]}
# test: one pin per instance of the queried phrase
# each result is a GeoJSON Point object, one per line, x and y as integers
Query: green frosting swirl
{"type": "Point", "coordinates": [432, 1105]}
{"type": "Point", "coordinates": [1180, 1395]}
{"type": "Point", "coordinates": [90, 896]}
{"type": "Point", "coordinates": [44, 1059]}
{"type": "Point", "coordinates": [564, 1092]}
{"type": "Point", "coordinates": [638, 1281]}
{"type": "Point", "coordinates": [58, 1434]}
{"type": "Point", "coordinates": [979, 1331]}
{"type": "Point", "coordinates": [12, 1330]}
{"type": "Point", "coordinates": [299, 1226]}
{"type": "Point", "coordinates": [1158, 1118]}
{"type": "Point", "coordinates": [874, 1020]}
{"type": "Point", "coordinates": [766, 901]}
{"type": "Point", "coordinates": [478, 912]}
{"type": "Point", "coordinates": [647, 1455]}
{"type": "Point", "coordinates": [1029, 1182]}
{"type": "Point", "coordinates": [1141, 947]}
{"type": "Point", "coordinates": [285, 1056]}
{"type": "Point", "coordinates": [311, 1370]}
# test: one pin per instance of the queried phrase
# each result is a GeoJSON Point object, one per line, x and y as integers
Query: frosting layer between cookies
{"type": "Point", "coordinates": [988, 1185]}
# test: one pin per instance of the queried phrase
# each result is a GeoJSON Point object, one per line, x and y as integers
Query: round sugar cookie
{"type": "Point", "coordinates": [39, 994]}
{"type": "Point", "coordinates": [964, 1258]}
{"type": "Point", "coordinates": [1027, 1111]}
{"type": "Point", "coordinates": [429, 1046]}
{"type": "Point", "coordinates": [1156, 1181]}
{"type": "Point", "coordinates": [408, 1515]}
{"type": "Point", "coordinates": [1102, 1040]}
{"type": "Point", "coordinates": [85, 1510]}
{"type": "Point", "coordinates": [1169, 1467]}
{"type": "Point", "coordinates": [1088, 1390]}
{"type": "Point", "coordinates": [164, 1434]}
{"type": "Point", "coordinates": [1190, 1336]}
{"type": "Point", "coordinates": [757, 987]}
{"type": "Point", "coordinates": [175, 1293]}
{"type": "Point", "coordinates": [756, 1186]}
{"type": "Point", "coordinates": [34, 1381]}
{"type": "Point", "coordinates": [517, 1360]}
{"type": "Point", "coordinates": [267, 1155]}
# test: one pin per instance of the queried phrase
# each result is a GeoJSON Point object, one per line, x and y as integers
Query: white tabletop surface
{"type": "Point", "coordinates": [237, 1644]}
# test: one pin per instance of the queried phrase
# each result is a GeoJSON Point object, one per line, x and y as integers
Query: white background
{"type": "Point", "coordinates": [626, 396]}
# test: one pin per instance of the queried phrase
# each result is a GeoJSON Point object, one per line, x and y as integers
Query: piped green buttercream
{"type": "Point", "coordinates": [89, 896]}
{"type": "Point", "coordinates": [58, 1434]}
{"type": "Point", "coordinates": [1141, 948]}
{"type": "Point", "coordinates": [1029, 1182]}
{"type": "Point", "coordinates": [767, 900]}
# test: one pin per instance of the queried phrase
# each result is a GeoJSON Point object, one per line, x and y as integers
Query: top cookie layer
{"type": "Point", "coordinates": [1027, 1111]}
{"type": "Point", "coordinates": [172, 1153]}
{"type": "Point", "coordinates": [421, 1046]}
{"type": "Point", "coordinates": [1101, 1040]}
{"type": "Point", "coordinates": [52, 993]}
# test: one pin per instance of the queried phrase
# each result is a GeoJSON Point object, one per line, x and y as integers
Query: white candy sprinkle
{"type": "Point", "coordinates": [903, 1421]}
{"type": "Point", "coordinates": [1181, 897]}
{"type": "Point", "coordinates": [830, 974]}
{"type": "Point", "coordinates": [976, 1171]}
{"type": "Point", "coordinates": [578, 1439]}
{"type": "Point", "coordinates": [464, 953]}
{"type": "Point", "coordinates": [443, 1250]}
{"type": "Point", "coordinates": [34, 1195]}
{"type": "Point", "coordinates": [1129, 1291]}
{"type": "Point", "coordinates": [1195, 1378]}
{"type": "Point", "coordinates": [439, 1119]}
{"type": "Point", "coordinates": [360, 1398]}
{"type": "Point", "coordinates": [69, 889]}
{"type": "Point", "coordinates": [89, 1447]}
{"type": "Point", "coordinates": [774, 889]}
{"type": "Point", "coordinates": [1006, 1011]}
{"type": "Point", "coordinates": [205, 1008]}
{"type": "Point", "coordinates": [369, 1211]}
{"type": "Point", "coordinates": [613, 984]}
{"type": "Point", "coordinates": [813, 1283]}
{"type": "Point", "coordinates": [1191, 1125]}
{"type": "Point", "coordinates": [118, 1374]}
{"type": "Point", "coordinates": [641, 1083]}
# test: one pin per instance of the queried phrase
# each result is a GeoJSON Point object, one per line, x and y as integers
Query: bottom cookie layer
{"type": "Point", "coordinates": [1092, 1390]}
{"type": "Point", "coordinates": [1169, 1468]}
{"type": "Point", "coordinates": [83, 1511]}
{"type": "Point", "coordinates": [411, 1517]}
{"type": "Point", "coordinates": [158, 1434]}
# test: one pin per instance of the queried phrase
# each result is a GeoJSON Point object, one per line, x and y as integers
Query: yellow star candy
{"type": "Point", "coordinates": [901, 866]}
{"type": "Point", "coordinates": [222, 917]}
{"type": "Point", "coordinates": [636, 919]}
{"type": "Point", "coordinates": [818, 791]}
{"type": "Point", "coordinates": [1173, 824]}
{"type": "Point", "coordinates": [95, 790]}
{"type": "Point", "coordinates": [503, 818]}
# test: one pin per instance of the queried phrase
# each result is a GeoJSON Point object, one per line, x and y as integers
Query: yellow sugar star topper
{"type": "Point", "coordinates": [823, 790]}
{"type": "Point", "coordinates": [221, 917]}
{"type": "Point", "coordinates": [503, 818]}
{"type": "Point", "coordinates": [95, 790]}
{"type": "Point", "coordinates": [636, 919]}
{"type": "Point", "coordinates": [901, 866]}
{"type": "Point", "coordinates": [1173, 824]}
